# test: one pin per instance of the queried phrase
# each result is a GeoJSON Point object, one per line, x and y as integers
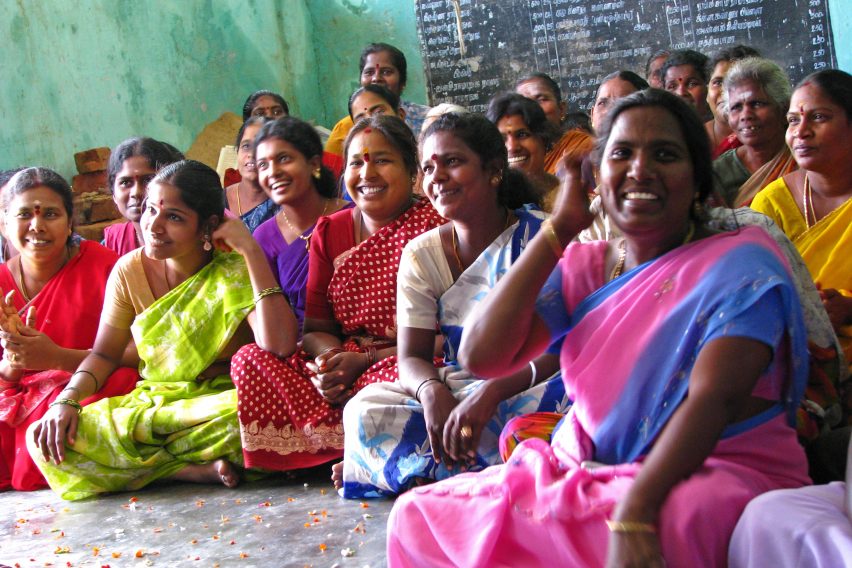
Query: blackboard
{"type": "Point", "coordinates": [577, 42]}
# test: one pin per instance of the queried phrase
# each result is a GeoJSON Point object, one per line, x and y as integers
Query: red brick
{"type": "Point", "coordinates": [92, 160]}
{"type": "Point", "coordinates": [88, 182]}
{"type": "Point", "coordinates": [93, 208]}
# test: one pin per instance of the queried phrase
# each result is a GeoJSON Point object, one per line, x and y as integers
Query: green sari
{"type": "Point", "coordinates": [171, 419]}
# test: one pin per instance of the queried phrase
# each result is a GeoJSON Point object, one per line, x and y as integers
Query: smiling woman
{"type": "Point", "coordinates": [290, 409]}
{"type": "Point", "coordinates": [756, 94]}
{"type": "Point", "coordinates": [49, 317]}
{"type": "Point", "coordinates": [180, 421]}
{"type": "Point", "coordinates": [698, 339]}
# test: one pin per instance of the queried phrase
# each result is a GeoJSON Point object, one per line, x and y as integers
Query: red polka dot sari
{"type": "Point", "coordinates": [284, 421]}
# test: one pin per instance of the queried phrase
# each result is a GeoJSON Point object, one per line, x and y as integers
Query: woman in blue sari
{"type": "Point", "coordinates": [440, 419]}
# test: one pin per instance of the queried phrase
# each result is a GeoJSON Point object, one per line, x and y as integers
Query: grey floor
{"type": "Point", "coordinates": [274, 522]}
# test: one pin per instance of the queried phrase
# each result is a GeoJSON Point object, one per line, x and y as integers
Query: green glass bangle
{"type": "Point", "coordinates": [67, 402]}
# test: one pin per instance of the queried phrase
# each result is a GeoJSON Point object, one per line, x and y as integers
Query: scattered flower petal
{"type": "Point", "coordinates": [347, 552]}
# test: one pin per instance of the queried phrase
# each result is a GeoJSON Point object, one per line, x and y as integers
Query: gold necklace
{"type": "Point", "coordinates": [239, 205]}
{"type": "Point", "coordinates": [622, 252]}
{"type": "Point", "coordinates": [456, 245]}
{"type": "Point", "coordinates": [22, 284]}
{"type": "Point", "coordinates": [809, 203]}
{"type": "Point", "coordinates": [307, 238]}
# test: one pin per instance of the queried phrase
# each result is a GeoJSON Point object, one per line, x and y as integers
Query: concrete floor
{"type": "Point", "coordinates": [274, 522]}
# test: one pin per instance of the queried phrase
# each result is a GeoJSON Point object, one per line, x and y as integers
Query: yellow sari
{"type": "Point", "coordinates": [571, 140]}
{"type": "Point", "coordinates": [825, 247]}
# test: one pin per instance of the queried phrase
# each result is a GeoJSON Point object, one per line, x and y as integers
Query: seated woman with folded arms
{"type": "Point", "coordinates": [181, 420]}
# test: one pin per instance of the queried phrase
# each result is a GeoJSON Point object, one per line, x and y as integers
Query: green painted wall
{"type": "Point", "coordinates": [341, 28]}
{"type": "Point", "coordinates": [75, 75]}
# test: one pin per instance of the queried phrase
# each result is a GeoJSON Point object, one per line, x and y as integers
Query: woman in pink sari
{"type": "Point", "coordinates": [53, 292]}
{"type": "Point", "coordinates": [291, 410]}
{"type": "Point", "coordinates": [682, 408]}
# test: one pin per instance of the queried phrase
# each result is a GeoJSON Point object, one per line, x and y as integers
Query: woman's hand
{"type": "Point", "coordinates": [438, 403]}
{"type": "Point", "coordinates": [29, 348]}
{"type": "Point", "coordinates": [466, 421]}
{"type": "Point", "coordinates": [58, 425]}
{"type": "Point", "coordinates": [233, 235]}
{"type": "Point", "coordinates": [10, 319]}
{"type": "Point", "coordinates": [634, 550]}
{"type": "Point", "coordinates": [336, 372]}
{"type": "Point", "coordinates": [571, 210]}
{"type": "Point", "coordinates": [838, 306]}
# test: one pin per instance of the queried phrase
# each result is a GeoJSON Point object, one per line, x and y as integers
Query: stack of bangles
{"type": "Point", "coordinates": [421, 385]}
{"type": "Point", "coordinates": [267, 292]}
{"type": "Point", "coordinates": [67, 402]}
{"type": "Point", "coordinates": [371, 356]}
{"type": "Point", "coordinates": [630, 527]}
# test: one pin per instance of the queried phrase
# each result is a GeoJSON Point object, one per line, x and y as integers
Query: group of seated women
{"type": "Point", "coordinates": [542, 380]}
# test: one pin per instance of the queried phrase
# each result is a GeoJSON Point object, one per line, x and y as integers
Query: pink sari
{"type": "Point", "coordinates": [543, 507]}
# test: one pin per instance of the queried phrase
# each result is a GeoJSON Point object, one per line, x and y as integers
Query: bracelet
{"type": "Point", "coordinates": [417, 393]}
{"type": "Point", "coordinates": [268, 292]}
{"type": "Point", "coordinates": [334, 350]}
{"type": "Point", "coordinates": [534, 374]}
{"type": "Point", "coordinates": [630, 527]}
{"type": "Point", "coordinates": [371, 356]}
{"type": "Point", "coordinates": [552, 238]}
{"type": "Point", "coordinates": [67, 402]}
{"type": "Point", "coordinates": [70, 388]}
{"type": "Point", "coordinates": [94, 378]}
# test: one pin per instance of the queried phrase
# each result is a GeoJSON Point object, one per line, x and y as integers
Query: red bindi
{"type": "Point", "coordinates": [434, 157]}
{"type": "Point", "coordinates": [368, 130]}
{"type": "Point", "coordinates": [161, 204]}
{"type": "Point", "coordinates": [37, 210]}
{"type": "Point", "coordinates": [366, 155]}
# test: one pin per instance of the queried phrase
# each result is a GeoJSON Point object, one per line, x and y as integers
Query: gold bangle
{"type": "Point", "coordinates": [268, 292]}
{"type": "Point", "coordinates": [552, 238]}
{"type": "Point", "coordinates": [67, 402]}
{"type": "Point", "coordinates": [630, 527]}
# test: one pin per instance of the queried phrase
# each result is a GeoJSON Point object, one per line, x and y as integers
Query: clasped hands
{"type": "Point", "coordinates": [24, 347]}
{"type": "Point", "coordinates": [336, 371]}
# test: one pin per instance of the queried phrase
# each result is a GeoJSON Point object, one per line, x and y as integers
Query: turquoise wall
{"type": "Point", "coordinates": [341, 28]}
{"type": "Point", "coordinates": [75, 75]}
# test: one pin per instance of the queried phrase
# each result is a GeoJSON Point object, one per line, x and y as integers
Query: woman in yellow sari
{"type": "Point", "coordinates": [813, 207]}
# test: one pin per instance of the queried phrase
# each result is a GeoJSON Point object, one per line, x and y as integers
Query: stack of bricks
{"type": "Point", "coordinates": [94, 208]}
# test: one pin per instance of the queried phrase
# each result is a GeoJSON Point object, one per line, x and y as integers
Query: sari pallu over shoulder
{"type": "Point", "coordinates": [172, 418]}
{"type": "Point", "coordinates": [649, 378]}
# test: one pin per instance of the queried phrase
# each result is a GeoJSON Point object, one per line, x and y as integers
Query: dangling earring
{"type": "Point", "coordinates": [317, 173]}
{"type": "Point", "coordinates": [207, 246]}
{"type": "Point", "coordinates": [495, 180]}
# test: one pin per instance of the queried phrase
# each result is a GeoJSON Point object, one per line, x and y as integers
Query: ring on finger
{"type": "Point", "coordinates": [13, 357]}
{"type": "Point", "coordinates": [466, 431]}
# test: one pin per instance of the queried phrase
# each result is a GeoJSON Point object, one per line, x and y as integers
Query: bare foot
{"type": "Point", "coordinates": [220, 471]}
{"type": "Point", "coordinates": [337, 475]}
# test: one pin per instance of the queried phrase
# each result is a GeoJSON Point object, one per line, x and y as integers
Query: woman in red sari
{"type": "Point", "coordinates": [290, 410]}
{"type": "Point", "coordinates": [53, 292]}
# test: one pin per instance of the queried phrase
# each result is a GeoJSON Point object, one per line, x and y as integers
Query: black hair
{"type": "Point", "coordinates": [250, 121]}
{"type": "Point", "coordinates": [546, 79]}
{"type": "Point", "coordinates": [24, 179]}
{"type": "Point", "coordinates": [687, 57]}
{"type": "Point", "coordinates": [578, 120]}
{"type": "Point", "coordinates": [158, 154]}
{"type": "Point", "coordinates": [691, 126]}
{"type": "Point", "coordinates": [395, 131]}
{"type": "Point", "coordinates": [655, 55]}
{"type": "Point", "coordinates": [389, 96]}
{"type": "Point", "coordinates": [251, 101]}
{"type": "Point", "coordinates": [638, 82]}
{"type": "Point", "coordinates": [733, 53]}
{"type": "Point", "coordinates": [397, 58]}
{"type": "Point", "coordinates": [6, 175]}
{"type": "Point", "coordinates": [513, 104]}
{"type": "Point", "coordinates": [199, 188]}
{"type": "Point", "coordinates": [836, 85]}
{"type": "Point", "coordinates": [482, 137]}
{"type": "Point", "coordinates": [302, 136]}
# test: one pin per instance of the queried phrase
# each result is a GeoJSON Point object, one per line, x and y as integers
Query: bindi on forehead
{"type": "Point", "coordinates": [366, 154]}
{"type": "Point", "coordinates": [37, 208]}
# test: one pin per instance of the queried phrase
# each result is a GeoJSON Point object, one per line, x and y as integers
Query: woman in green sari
{"type": "Point", "coordinates": [188, 308]}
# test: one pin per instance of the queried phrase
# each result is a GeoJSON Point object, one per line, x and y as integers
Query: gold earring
{"type": "Point", "coordinates": [317, 173]}
{"type": "Point", "coordinates": [495, 180]}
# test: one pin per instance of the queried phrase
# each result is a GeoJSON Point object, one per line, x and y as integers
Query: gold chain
{"type": "Point", "coordinates": [622, 252]}
{"type": "Point", "coordinates": [305, 238]}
